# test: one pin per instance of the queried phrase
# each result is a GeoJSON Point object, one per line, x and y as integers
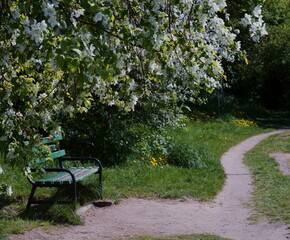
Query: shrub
{"type": "Point", "coordinates": [186, 156]}
{"type": "Point", "coordinates": [115, 137]}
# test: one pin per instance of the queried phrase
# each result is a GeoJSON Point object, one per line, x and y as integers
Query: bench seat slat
{"type": "Point", "coordinates": [62, 177]}
{"type": "Point", "coordinates": [65, 178]}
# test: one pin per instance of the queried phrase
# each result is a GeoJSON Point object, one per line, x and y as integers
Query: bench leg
{"type": "Point", "coordinates": [30, 199]}
{"type": "Point", "coordinates": [75, 193]}
{"type": "Point", "coordinates": [101, 185]}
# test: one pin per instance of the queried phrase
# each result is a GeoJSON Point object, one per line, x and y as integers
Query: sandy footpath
{"type": "Point", "coordinates": [226, 216]}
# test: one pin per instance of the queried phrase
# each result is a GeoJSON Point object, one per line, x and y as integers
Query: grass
{"type": "Point", "coordinates": [209, 136]}
{"type": "Point", "coordinates": [213, 138]}
{"type": "Point", "coordinates": [180, 237]}
{"type": "Point", "coordinates": [272, 189]}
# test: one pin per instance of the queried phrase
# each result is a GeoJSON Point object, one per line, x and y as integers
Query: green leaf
{"type": "Point", "coordinates": [60, 61]}
{"type": "Point", "coordinates": [79, 52]}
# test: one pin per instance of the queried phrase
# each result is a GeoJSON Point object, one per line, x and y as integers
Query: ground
{"type": "Point", "coordinates": [227, 215]}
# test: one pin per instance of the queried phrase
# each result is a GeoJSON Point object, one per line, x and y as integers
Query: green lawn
{"type": "Point", "coordinates": [272, 188]}
{"type": "Point", "coordinates": [211, 139]}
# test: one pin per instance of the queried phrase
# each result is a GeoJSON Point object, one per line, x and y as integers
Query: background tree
{"type": "Point", "coordinates": [265, 80]}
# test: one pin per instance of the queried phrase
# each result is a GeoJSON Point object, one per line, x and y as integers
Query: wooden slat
{"type": "Point", "coordinates": [65, 178]}
{"type": "Point", "coordinates": [57, 154]}
{"type": "Point", "coordinates": [52, 147]}
{"type": "Point", "coordinates": [54, 155]}
{"type": "Point", "coordinates": [43, 160]}
{"type": "Point", "coordinates": [47, 140]}
{"type": "Point", "coordinates": [81, 173]}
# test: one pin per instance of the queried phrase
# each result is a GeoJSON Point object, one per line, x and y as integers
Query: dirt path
{"type": "Point", "coordinates": [226, 216]}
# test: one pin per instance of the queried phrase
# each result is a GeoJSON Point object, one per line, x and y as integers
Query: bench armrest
{"type": "Point", "coordinates": [53, 170]}
{"type": "Point", "coordinates": [95, 160]}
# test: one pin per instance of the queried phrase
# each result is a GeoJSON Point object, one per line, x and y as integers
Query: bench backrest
{"type": "Point", "coordinates": [52, 143]}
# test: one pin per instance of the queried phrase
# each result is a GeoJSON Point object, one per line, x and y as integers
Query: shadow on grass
{"type": "Point", "coordinates": [263, 117]}
{"type": "Point", "coordinates": [64, 213]}
{"type": "Point", "coordinates": [274, 120]}
{"type": "Point", "coordinates": [54, 213]}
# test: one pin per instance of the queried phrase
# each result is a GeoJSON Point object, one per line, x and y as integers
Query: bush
{"type": "Point", "coordinates": [116, 137]}
{"type": "Point", "coordinates": [186, 156]}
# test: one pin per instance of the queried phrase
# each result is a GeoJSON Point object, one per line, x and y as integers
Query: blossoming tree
{"type": "Point", "coordinates": [56, 55]}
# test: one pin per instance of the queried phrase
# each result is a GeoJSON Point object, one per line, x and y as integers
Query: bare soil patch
{"type": "Point", "coordinates": [226, 216]}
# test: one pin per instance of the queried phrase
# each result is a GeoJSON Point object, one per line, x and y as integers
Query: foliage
{"type": "Point", "coordinates": [115, 137]}
{"type": "Point", "coordinates": [59, 56]}
{"type": "Point", "coordinates": [66, 53]}
{"type": "Point", "coordinates": [265, 80]}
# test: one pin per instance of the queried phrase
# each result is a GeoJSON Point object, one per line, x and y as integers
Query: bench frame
{"type": "Point", "coordinates": [59, 185]}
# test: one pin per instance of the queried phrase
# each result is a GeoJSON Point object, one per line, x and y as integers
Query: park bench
{"type": "Point", "coordinates": [61, 177]}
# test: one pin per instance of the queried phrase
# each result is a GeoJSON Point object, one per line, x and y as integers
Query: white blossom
{"type": "Point", "coordinates": [15, 13]}
{"type": "Point", "coordinates": [35, 29]}
{"type": "Point", "coordinates": [133, 102]}
{"type": "Point", "coordinates": [99, 17]}
{"type": "Point", "coordinates": [257, 12]}
{"type": "Point", "coordinates": [257, 27]}
{"type": "Point", "coordinates": [247, 20]}
{"type": "Point", "coordinates": [42, 96]}
{"type": "Point", "coordinates": [75, 15]}
{"type": "Point", "coordinates": [49, 11]}
{"type": "Point", "coordinates": [9, 190]}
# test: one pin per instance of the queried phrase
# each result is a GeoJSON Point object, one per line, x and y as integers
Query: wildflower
{"type": "Point", "coordinates": [245, 123]}
{"type": "Point", "coordinates": [158, 162]}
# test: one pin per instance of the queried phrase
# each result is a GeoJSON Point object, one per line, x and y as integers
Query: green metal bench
{"type": "Point", "coordinates": [62, 177]}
